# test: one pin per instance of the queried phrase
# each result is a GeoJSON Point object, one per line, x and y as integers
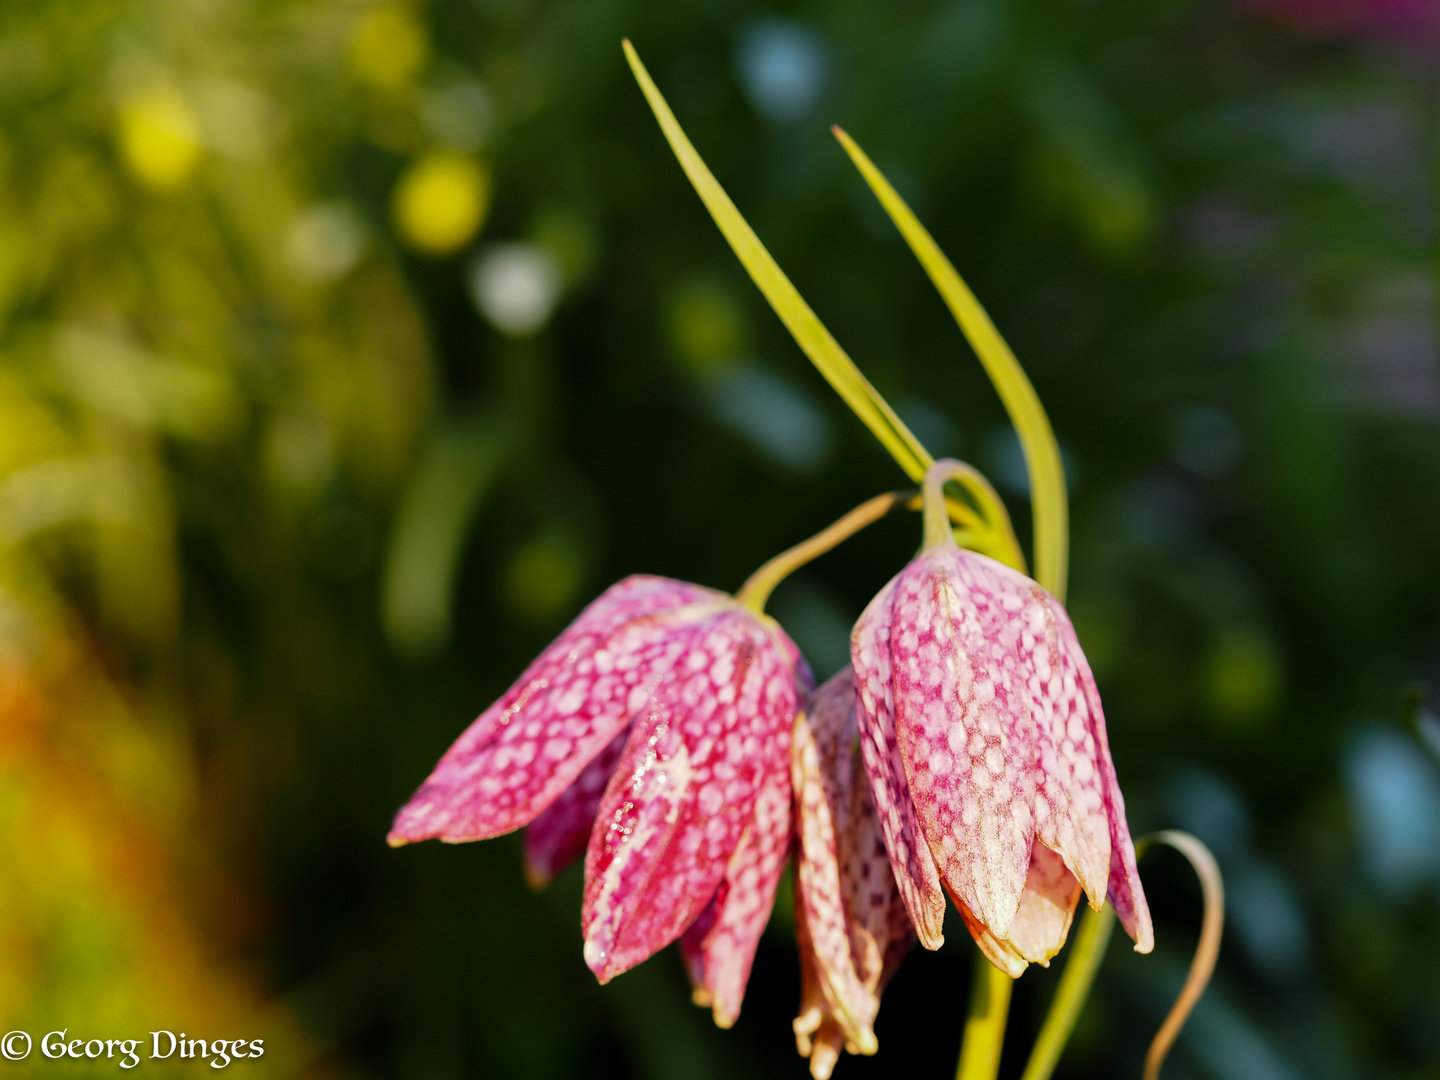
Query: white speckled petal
{"type": "Point", "coordinates": [559, 835]}
{"type": "Point", "coordinates": [817, 1034]}
{"type": "Point", "coordinates": [719, 947]}
{"type": "Point", "coordinates": [1047, 907]}
{"type": "Point", "coordinates": [1124, 890]}
{"type": "Point", "coordinates": [910, 856]}
{"type": "Point", "coordinates": [1072, 817]}
{"type": "Point", "coordinates": [960, 649]}
{"type": "Point", "coordinates": [529, 746]}
{"type": "Point", "coordinates": [1000, 953]}
{"type": "Point", "coordinates": [685, 789]}
{"type": "Point", "coordinates": [824, 757]}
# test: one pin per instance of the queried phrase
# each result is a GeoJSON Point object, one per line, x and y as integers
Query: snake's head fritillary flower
{"type": "Point", "coordinates": [653, 734]}
{"type": "Point", "coordinates": [985, 744]}
{"type": "Point", "coordinates": [852, 926]}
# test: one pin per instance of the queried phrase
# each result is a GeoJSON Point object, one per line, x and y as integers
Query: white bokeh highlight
{"type": "Point", "coordinates": [516, 287]}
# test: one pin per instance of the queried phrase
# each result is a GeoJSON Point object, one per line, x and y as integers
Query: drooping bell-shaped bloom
{"type": "Point", "coordinates": [851, 923]}
{"type": "Point", "coordinates": [985, 744]}
{"type": "Point", "coordinates": [653, 734]}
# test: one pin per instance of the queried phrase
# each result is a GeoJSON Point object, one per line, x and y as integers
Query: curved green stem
{"type": "Point", "coordinates": [996, 537]}
{"type": "Point", "coordinates": [938, 533]}
{"type": "Point", "coordinates": [758, 587]}
{"type": "Point", "coordinates": [985, 1025]}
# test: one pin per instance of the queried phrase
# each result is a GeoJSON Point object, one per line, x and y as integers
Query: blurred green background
{"type": "Point", "coordinates": [347, 349]}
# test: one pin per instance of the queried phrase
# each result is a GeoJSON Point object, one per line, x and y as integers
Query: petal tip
{"type": "Point", "coordinates": [597, 959]}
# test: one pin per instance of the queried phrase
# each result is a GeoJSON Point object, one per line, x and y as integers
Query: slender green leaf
{"type": "Point", "coordinates": [1042, 455]}
{"type": "Point", "coordinates": [807, 329]}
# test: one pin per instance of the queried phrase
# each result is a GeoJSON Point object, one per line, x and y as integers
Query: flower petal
{"type": "Point", "coordinates": [1047, 907]}
{"type": "Point", "coordinates": [719, 947]}
{"type": "Point", "coordinates": [1042, 923]}
{"type": "Point", "coordinates": [558, 836]}
{"type": "Point", "coordinates": [685, 790]}
{"type": "Point", "coordinates": [963, 719]}
{"type": "Point", "coordinates": [824, 792]}
{"type": "Point", "coordinates": [1123, 891]}
{"type": "Point", "coordinates": [1072, 817]}
{"type": "Point", "coordinates": [1000, 953]}
{"type": "Point", "coordinates": [899, 939]}
{"type": "Point", "coordinates": [817, 1034]}
{"type": "Point", "coordinates": [910, 857]}
{"type": "Point", "coordinates": [857, 925]}
{"type": "Point", "coordinates": [531, 744]}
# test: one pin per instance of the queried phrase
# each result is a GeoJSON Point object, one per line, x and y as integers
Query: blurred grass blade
{"type": "Point", "coordinates": [1070, 996]}
{"type": "Point", "coordinates": [436, 508]}
{"type": "Point", "coordinates": [809, 332]}
{"type": "Point", "coordinates": [1042, 455]}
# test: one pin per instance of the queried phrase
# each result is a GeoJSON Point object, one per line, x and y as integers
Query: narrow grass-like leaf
{"type": "Point", "coordinates": [1042, 455]}
{"type": "Point", "coordinates": [807, 329]}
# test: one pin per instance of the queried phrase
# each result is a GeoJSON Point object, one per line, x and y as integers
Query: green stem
{"type": "Point", "coordinates": [757, 589]}
{"type": "Point", "coordinates": [937, 515]}
{"type": "Point", "coordinates": [985, 1025]}
{"type": "Point", "coordinates": [1085, 956]}
{"type": "Point", "coordinates": [1000, 537]}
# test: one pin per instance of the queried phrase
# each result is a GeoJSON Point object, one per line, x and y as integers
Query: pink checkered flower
{"type": "Point", "coordinates": [654, 734]}
{"type": "Point", "coordinates": [851, 923]}
{"type": "Point", "coordinates": [985, 745]}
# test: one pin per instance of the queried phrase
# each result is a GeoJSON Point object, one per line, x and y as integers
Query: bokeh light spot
{"type": "Point", "coordinates": [1395, 797]}
{"type": "Point", "coordinates": [325, 241]}
{"type": "Point", "coordinates": [460, 115]}
{"type": "Point", "coordinates": [159, 139]}
{"type": "Point", "coordinates": [389, 47]}
{"type": "Point", "coordinates": [783, 67]}
{"type": "Point", "coordinates": [516, 287]}
{"type": "Point", "coordinates": [704, 324]}
{"type": "Point", "coordinates": [781, 421]}
{"type": "Point", "coordinates": [1243, 676]}
{"type": "Point", "coordinates": [543, 577]}
{"type": "Point", "coordinates": [441, 201]}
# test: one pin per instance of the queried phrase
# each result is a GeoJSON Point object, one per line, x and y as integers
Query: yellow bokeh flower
{"type": "Point", "coordinates": [389, 47]}
{"type": "Point", "coordinates": [441, 201]}
{"type": "Point", "coordinates": [159, 139]}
